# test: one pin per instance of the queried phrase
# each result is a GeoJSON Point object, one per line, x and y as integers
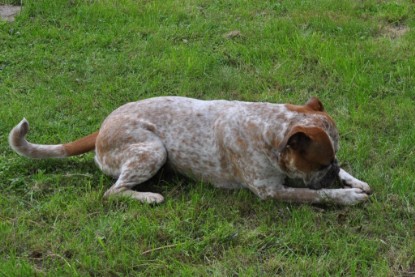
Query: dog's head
{"type": "Point", "coordinates": [308, 151]}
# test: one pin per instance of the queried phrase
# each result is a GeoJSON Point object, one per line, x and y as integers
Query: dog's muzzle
{"type": "Point", "coordinates": [329, 178]}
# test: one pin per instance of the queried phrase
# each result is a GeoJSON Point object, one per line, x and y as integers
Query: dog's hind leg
{"type": "Point", "coordinates": [143, 160]}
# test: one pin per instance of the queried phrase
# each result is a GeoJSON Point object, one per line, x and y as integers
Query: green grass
{"type": "Point", "coordinates": [66, 64]}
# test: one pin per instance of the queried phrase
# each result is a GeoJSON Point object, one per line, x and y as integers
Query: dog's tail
{"type": "Point", "coordinates": [18, 142]}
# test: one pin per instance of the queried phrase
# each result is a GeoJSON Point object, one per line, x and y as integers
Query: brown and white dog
{"type": "Point", "coordinates": [230, 144]}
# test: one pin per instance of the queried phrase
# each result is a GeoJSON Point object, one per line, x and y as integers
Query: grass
{"type": "Point", "coordinates": [65, 65]}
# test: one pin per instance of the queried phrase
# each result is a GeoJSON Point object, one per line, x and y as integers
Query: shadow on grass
{"type": "Point", "coordinates": [51, 174]}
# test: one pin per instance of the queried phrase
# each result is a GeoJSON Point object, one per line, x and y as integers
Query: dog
{"type": "Point", "coordinates": [230, 144]}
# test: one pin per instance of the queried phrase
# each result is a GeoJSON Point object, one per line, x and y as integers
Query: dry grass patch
{"type": "Point", "coordinates": [393, 31]}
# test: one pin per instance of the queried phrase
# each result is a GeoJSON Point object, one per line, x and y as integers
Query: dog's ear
{"type": "Point", "coordinates": [297, 140]}
{"type": "Point", "coordinates": [315, 104]}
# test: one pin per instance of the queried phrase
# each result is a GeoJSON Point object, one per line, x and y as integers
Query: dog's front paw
{"type": "Point", "coordinates": [353, 196]}
{"type": "Point", "coordinates": [352, 182]}
{"type": "Point", "coordinates": [349, 196]}
{"type": "Point", "coordinates": [359, 185]}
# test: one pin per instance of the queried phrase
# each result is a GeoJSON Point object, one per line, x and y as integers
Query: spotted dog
{"type": "Point", "coordinates": [230, 144]}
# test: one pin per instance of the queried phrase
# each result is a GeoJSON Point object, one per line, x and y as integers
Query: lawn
{"type": "Point", "coordinates": [66, 64]}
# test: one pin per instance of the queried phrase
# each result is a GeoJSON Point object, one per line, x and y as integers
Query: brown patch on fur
{"type": "Point", "coordinates": [272, 140]}
{"type": "Point", "coordinates": [251, 127]}
{"type": "Point", "coordinates": [308, 148]}
{"type": "Point", "coordinates": [255, 134]}
{"type": "Point", "coordinates": [241, 143]}
{"type": "Point", "coordinates": [110, 137]}
{"type": "Point", "coordinates": [233, 165]}
{"type": "Point", "coordinates": [103, 144]}
{"type": "Point", "coordinates": [313, 105]}
{"type": "Point", "coordinates": [144, 157]}
{"type": "Point", "coordinates": [81, 146]}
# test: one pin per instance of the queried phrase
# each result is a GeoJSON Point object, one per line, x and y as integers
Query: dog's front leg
{"type": "Point", "coordinates": [347, 196]}
{"type": "Point", "coordinates": [350, 181]}
{"type": "Point", "coordinates": [344, 196]}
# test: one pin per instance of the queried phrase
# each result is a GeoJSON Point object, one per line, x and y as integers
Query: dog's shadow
{"type": "Point", "coordinates": [85, 167]}
{"type": "Point", "coordinates": [166, 181]}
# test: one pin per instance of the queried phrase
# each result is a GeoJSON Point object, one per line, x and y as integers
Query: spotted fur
{"type": "Point", "coordinates": [230, 144]}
